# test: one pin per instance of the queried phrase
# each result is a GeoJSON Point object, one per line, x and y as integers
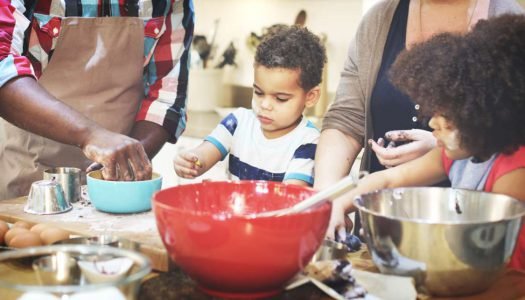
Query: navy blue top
{"type": "Point", "coordinates": [392, 110]}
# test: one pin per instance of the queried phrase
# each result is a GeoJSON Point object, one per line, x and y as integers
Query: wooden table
{"type": "Point", "coordinates": [85, 220]}
{"type": "Point", "coordinates": [141, 228]}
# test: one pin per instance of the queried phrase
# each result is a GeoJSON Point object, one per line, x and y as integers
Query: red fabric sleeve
{"type": "Point", "coordinates": [505, 164]}
{"type": "Point", "coordinates": [447, 162]}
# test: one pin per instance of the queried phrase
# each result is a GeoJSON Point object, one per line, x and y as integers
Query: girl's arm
{"type": "Point", "coordinates": [511, 184]}
{"type": "Point", "coordinates": [425, 170]}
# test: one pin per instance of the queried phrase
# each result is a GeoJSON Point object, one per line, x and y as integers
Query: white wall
{"type": "Point", "coordinates": [338, 19]}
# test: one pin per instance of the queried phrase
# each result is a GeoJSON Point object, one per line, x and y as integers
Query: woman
{"type": "Point", "coordinates": [367, 106]}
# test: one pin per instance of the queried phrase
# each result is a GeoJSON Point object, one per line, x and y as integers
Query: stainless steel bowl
{"type": "Point", "coordinates": [69, 179]}
{"type": "Point", "coordinates": [102, 240]}
{"type": "Point", "coordinates": [46, 197]}
{"type": "Point", "coordinates": [52, 271]}
{"type": "Point", "coordinates": [453, 242]}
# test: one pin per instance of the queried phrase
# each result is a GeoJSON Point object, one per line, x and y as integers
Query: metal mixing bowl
{"type": "Point", "coordinates": [453, 242]}
{"type": "Point", "coordinates": [43, 272]}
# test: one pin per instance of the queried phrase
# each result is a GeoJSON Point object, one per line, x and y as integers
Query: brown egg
{"type": "Point", "coordinates": [22, 224]}
{"type": "Point", "coordinates": [51, 235]}
{"type": "Point", "coordinates": [38, 228]}
{"type": "Point", "coordinates": [25, 239]}
{"type": "Point", "coordinates": [3, 229]}
{"type": "Point", "coordinates": [13, 232]}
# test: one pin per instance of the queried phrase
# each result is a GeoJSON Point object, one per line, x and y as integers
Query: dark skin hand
{"type": "Point", "coordinates": [152, 137]}
{"type": "Point", "coordinates": [24, 103]}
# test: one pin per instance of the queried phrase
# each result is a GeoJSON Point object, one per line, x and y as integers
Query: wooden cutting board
{"type": "Point", "coordinates": [85, 220]}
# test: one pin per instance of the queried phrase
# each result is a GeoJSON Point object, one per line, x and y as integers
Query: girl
{"type": "Point", "coordinates": [473, 88]}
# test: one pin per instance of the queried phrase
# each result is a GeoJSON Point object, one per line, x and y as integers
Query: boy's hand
{"type": "Point", "coordinates": [187, 165]}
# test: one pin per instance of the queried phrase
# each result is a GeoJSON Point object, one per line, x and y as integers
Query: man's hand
{"type": "Point", "coordinates": [122, 158]}
{"type": "Point", "coordinates": [419, 143]}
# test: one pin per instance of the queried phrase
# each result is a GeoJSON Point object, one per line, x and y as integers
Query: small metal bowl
{"type": "Point", "coordinates": [57, 269]}
{"type": "Point", "coordinates": [102, 240]}
{"type": "Point", "coordinates": [46, 197]}
{"type": "Point", "coordinates": [54, 271]}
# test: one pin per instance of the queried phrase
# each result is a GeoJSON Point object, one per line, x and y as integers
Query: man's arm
{"type": "Point", "coordinates": [27, 105]}
{"type": "Point", "coordinates": [162, 115]}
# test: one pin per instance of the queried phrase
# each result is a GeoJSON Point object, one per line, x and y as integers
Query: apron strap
{"type": "Point", "coordinates": [73, 8]}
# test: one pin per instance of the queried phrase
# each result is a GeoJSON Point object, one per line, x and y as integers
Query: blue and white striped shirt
{"type": "Point", "coordinates": [254, 157]}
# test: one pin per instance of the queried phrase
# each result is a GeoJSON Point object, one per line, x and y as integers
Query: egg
{"type": "Point", "coordinates": [3, 229]}
{"type": "Point", "coordinates": [25, 239]}
{"type": "Point", "coordinates": [22, 224]}
{"type": "Point", "coordinates": [38, 228]}
{"type": "Point", "coordinates": [13, 232]}
{"type": "Point", "coordinates": [51, 235]}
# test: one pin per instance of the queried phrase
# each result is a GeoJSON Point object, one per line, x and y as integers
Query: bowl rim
{"type": "Point", "coordinates": [89, 176]}
{"type": "Point", "coordinates": [231, 215]}
{"type": "Point", "coordinates": [144, 267]}
{"type": "Point", "coordinates": [361, 208]}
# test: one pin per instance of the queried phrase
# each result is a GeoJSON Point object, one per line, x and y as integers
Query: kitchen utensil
{"type": "Point", "coordinates": [330, 250]}
{"type": "Point", "coordinates": [419, 232]}
{"type": "Point", "coordinates": [108, 270]}
{"type": "Point", "coordinates": [213, 231]}
{"type": "Point", "coordinates": [102, 240]}
{"type": "Point", "coordinates": [57, 269]}
{"type": "Point", "coordinates": [17, 280]}
{"type": "Point", "coordinates": [46, 197]}
{"type": "Point", "coordinates": [121, 196]}
{"type": "Point", "coordinates": [328, 194]}
{"type": "Point", "coordinates": [69, 179]}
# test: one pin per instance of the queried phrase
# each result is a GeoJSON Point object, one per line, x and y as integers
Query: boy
{"type": "Point", "coordinates": [272, 141]}
{"type": "Point", "coordinates": [473, 88]}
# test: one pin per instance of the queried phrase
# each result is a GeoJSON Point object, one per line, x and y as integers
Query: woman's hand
{"type": "Point", "coordinates": [187, 165]}
{"type": "Point", "coordinates": [419, 143]}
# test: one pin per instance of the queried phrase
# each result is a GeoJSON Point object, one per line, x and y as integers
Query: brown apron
{"type": "Point", "coordinates": [96, 68]}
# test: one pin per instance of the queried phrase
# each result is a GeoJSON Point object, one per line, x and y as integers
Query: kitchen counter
{"type": "Point", "coordinates": [85, 220]}
{"type": "Point", "coordinates": [174, 284]}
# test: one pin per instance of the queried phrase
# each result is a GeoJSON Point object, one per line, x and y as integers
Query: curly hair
{"type": "Point", "coordinates": [476, 81]}
{"type": "Point", "coordinates": [292, 47]}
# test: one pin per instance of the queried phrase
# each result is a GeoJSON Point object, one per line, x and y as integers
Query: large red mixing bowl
{"type": "Point", "coordinates": [212, 232]}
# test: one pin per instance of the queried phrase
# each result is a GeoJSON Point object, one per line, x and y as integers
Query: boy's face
{"type": "Point", "coordinates": [278, 99]}
{"type": "Point", "coordinates": [447, 136]}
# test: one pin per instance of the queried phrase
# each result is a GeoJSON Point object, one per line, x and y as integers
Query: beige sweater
{"type": "Point", "coordinates": [350, 111]}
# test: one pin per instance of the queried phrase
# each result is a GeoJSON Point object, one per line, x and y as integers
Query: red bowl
{"type": "Point", "coordinates": [212, 232]}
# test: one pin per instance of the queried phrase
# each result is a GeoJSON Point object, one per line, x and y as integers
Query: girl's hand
{"type": "Point", "coordinates": [340, 223]}
{"type": "Point", "coordinates": [187, 165]}
{"type": "Point", "coordinates": [419, 143]}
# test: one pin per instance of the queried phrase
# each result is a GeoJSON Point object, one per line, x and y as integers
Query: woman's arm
{"type": "Point", "coordinates": [334, 157]}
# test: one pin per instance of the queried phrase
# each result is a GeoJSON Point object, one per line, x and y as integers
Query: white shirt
{"type": "Point", "coordinates": [254, 157]}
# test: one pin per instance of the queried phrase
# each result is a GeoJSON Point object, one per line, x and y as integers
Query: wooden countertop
{"type": "Point", "coordinates": [85, 220]}
{"type": "Point", "coordinates": [141, 228]}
